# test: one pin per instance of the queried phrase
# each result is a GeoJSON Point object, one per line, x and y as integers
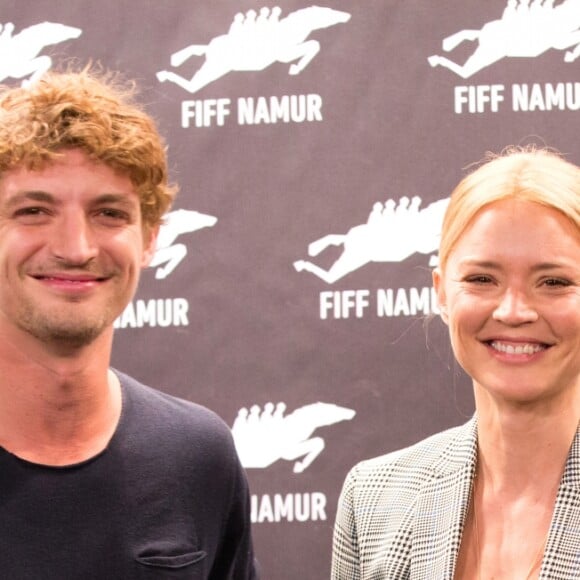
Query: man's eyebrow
{"type": "Point", "coordinates": [30, 195]}
{"type": "Point", "coordinates": [45, 197]}
{"type": "Point", "coordinates": [117, 198]}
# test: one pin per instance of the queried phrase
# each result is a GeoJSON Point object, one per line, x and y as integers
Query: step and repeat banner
{"type": "Point", "coordinates": [316, 147]}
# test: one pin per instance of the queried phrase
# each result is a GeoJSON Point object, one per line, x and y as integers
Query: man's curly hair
{"type": "Point", "coordinates": [94, 112]}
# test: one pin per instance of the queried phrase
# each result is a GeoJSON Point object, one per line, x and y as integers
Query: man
{"type": "Point", "coordinates": [100, 477]}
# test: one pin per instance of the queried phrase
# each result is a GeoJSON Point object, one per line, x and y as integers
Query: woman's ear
{"type": "Point", "coordinates": [440, 291]}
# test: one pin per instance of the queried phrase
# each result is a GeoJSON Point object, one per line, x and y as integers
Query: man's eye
{"type": "Point", "coordinates": [29, 211]}
{"type": "Point", "coordinates": [114, 214]}
{"type": "Point", "coordinates": [31, 215]}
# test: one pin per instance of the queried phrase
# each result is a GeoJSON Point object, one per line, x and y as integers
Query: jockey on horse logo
{"type": "Point", "coordinates": [254, 42]}
{"type": "Point", "coordinates": [393, 232]}
{"type": "Point", "coordinates": [19, 53]}
{"type": "Point", "coordinates": [175, 223]}
{"type": "Point", "coordinates": [525, 29]}
{"type": "Point", "coordinates": [263, 437]}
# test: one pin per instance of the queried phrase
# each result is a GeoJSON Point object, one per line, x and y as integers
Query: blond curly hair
{"type": "Point", "coordinates": [94, 112]}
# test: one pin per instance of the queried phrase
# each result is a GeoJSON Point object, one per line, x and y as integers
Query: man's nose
{"type": "Point", "coordinates": [73, 240]}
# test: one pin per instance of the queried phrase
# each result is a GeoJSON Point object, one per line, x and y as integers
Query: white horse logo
{"type": "Point", "coordinates": [19, 53]}
{"type": "Point", "coordinates": [393, 232]}
{"type": "Point", "coordinates": [525, 29]}
{"type": "Point", "coordinates": [175, 223]}
{"type": "Point", "coordinates": [255, 41]}
{"type": "Point", "coordinates": [264, 437]}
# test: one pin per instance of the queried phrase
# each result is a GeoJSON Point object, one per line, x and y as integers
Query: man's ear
{"type": "Point", "coordinates": [441, 297]}
{"type": "Point", "coordinates": [149, 242]}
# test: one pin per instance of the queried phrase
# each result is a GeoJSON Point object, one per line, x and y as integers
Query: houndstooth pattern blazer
{"type": "Point", "coordinates": [401, 516]}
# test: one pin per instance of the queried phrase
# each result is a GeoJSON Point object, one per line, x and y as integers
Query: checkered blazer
{"type": "Point", "coordinates": [401, 516]}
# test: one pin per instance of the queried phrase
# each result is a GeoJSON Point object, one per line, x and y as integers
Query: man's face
{"type": "Point", "coordinates": [72, 246]}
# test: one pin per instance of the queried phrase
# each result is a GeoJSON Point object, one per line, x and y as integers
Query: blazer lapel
{"type": "Point", "coordinates": [443, 504]}
{"type": "Point", "coordinates": [562, 555]}
{"type": "Point", "coordinates": [441, 509]}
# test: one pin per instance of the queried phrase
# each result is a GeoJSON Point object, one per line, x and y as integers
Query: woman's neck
{"type": "Point", "coordinates": [524, 446]}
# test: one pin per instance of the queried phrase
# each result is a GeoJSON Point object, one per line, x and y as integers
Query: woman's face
{"type": "Point", "coordinates": [510, 293]}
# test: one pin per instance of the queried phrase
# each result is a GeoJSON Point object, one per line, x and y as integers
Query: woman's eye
{"type": "Point", "coordinates": [479, 279]}
{"type": "Point", "coordinates": [556, 282]}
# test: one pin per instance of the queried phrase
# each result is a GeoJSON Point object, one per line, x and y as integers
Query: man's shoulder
{"type": "Point", "coordinates": [165, 416]}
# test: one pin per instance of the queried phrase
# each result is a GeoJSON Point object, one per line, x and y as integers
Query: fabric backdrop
{"type": "Point", "coordinates": [316, 147]}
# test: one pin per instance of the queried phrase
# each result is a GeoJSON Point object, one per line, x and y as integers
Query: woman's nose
{"type": "Point", "coordinates": [515, 308]}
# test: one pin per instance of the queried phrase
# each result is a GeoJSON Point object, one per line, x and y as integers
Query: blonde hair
{"type": "Point", "coordinates": [531, 174]}
{"type": "Point", "coordinates": [96, 113]}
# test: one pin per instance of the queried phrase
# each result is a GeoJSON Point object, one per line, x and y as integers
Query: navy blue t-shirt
{"type": "Point", "coordinates": [167, 498]}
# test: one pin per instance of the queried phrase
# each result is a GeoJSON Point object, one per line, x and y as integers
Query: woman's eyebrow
{"type": "Point", "coordinates": [492, 265]}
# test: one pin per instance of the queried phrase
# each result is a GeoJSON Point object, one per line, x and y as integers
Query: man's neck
{"type": "Point", "coordinates": [58, 406]}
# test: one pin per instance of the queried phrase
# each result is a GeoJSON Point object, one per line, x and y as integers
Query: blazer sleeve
{"type": "Point", "coordinates": [345, 549]}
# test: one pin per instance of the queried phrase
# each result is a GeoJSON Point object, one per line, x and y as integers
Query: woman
{"type": "Point", "coordinates": [498, 497]}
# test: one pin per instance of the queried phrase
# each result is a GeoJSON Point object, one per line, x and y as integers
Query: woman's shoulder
{"type": "Point", "coordinates": [439, 452]}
